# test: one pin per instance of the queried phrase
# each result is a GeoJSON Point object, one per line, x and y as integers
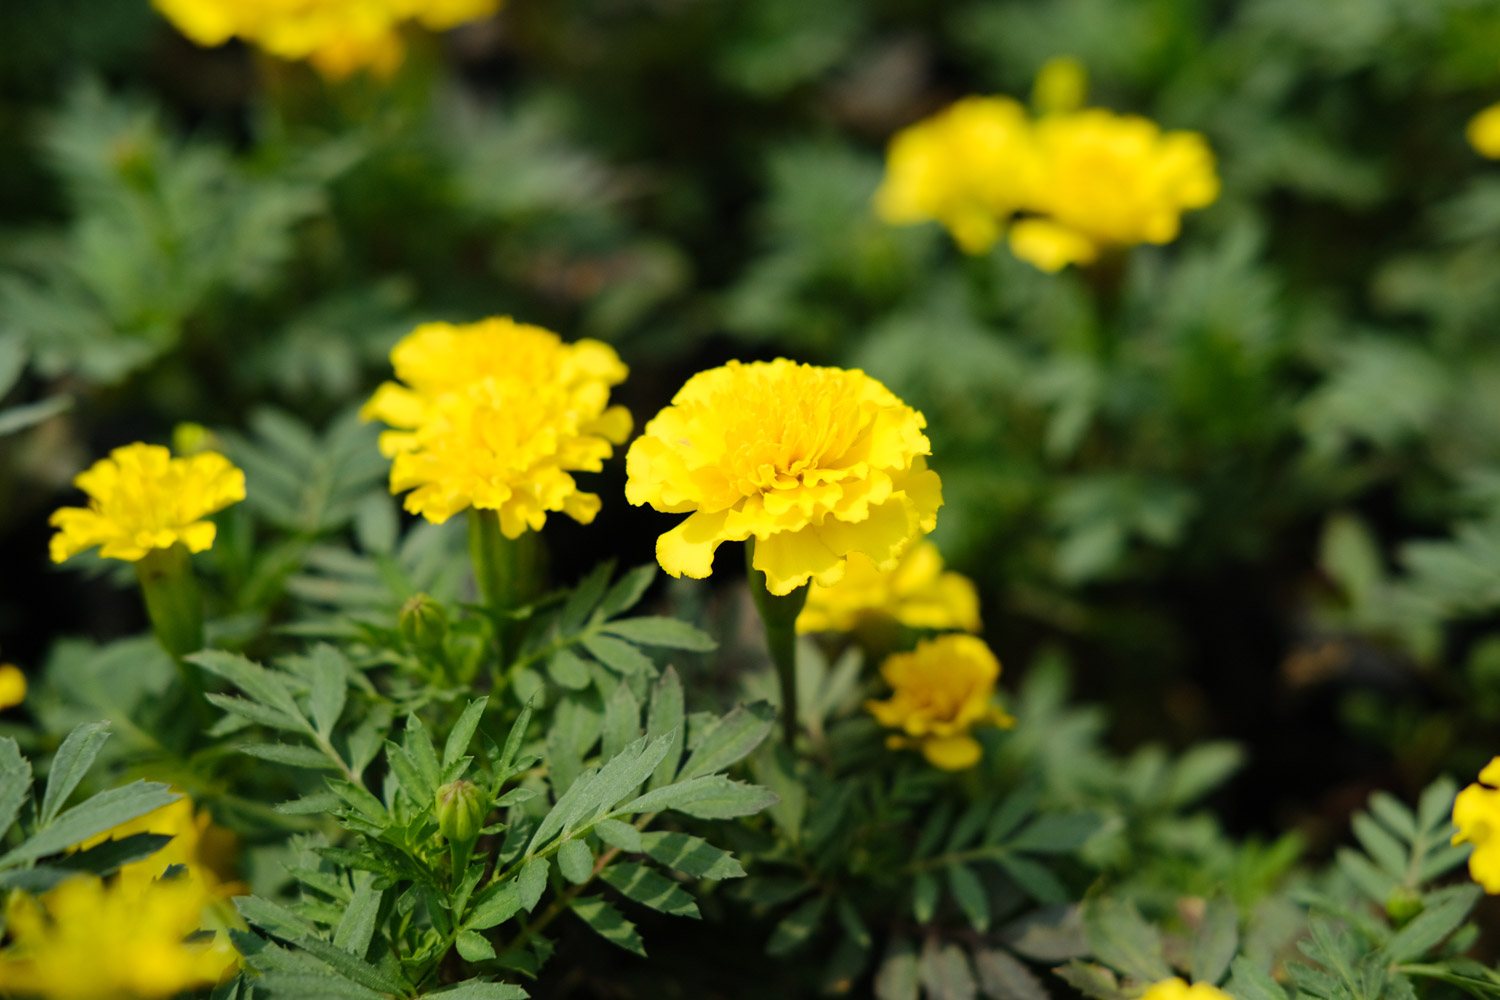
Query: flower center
{"type": "Point", "coordinates": [787, 423]}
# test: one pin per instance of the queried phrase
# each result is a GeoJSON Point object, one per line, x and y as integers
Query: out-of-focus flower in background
{"type": "Point", "coordinates": [916, 592]}
{"type": "Point", "coordinates": [940, 692]}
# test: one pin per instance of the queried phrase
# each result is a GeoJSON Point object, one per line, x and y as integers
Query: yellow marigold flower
{"type": "Point", "coordinates": [968, 167]}
{"type": "Point", "coordinates": [12, 685]}
{"type": "Point", "coordinates": [941, 691]}
{"type": "Point", "coordinates": [1476, 813]}
{"type": "Point", "coordinates": [88, 940]}
{"type": "Point", "coordinates": [916, 593]}
{"type": "Point", "coordinates": [338, 37]}
{"type": "Point", "coordinates": [1484, 132]}
{"type": "Point", "coordinates": [1060, 86]}
{"type": "Point", "coordinates": [495, 415]}
{"type": "Point", "coordinates": [1176, 989]}
{"type": "Point", "coordinates": [1108, 180]}
{"type": "Point", "coordinates": [141, 498]}
{"type": "Point", "coordinates": [205, 851]}
{"type": "Point", "coordinates": [813, 463]}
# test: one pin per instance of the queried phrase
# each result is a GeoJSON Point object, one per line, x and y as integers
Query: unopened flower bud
{"type": "Point", "coordinates": [1403, 905]}
{"type": "Point", "coordinates": [423, 623]}
{"type": "Point", "coordinates": [460, 811]}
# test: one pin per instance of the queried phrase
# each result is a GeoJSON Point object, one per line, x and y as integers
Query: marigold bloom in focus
{"type": "Point", "coordinates": [1476, 813]}
{"type": "Point", "coordinates": [339, 37]}
{"type": "Point", "coordinates": [1484, 132]}
{"type": "Point", "coordinates": [968, 167]}
{"type": "Point", "coordinates": [495, 415]}
{"type": "Point", "coordinates": [141, 498]}
{"type": "Point", "coordinates": [813, 463]}
{"type": "Point", "coordinates": [12, 685]}
{"type": "Point", "coordinates": [941, 691]}
{"type": "Point", "coordinates": [1107, 180]}
{"type": "Point", "coordinates": [915, 592]}
{"type": "Point", "coordinates": [1176, 989]}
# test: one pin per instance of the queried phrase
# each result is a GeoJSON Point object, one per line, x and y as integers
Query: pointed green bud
{"type": "Point", "coordinates": [423, 623]}
{"type": "Point", "coordinates": [461, 810]}
{"type": "Point", "coordinates": [1403, 906]}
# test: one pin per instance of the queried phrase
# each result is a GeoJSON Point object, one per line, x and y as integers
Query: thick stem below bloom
{"type": "Point", "coordinates": [505, 570]}
{"type": "Point", "coordinates": [175, 607]}
{"type": "Point", "coordinates": [779, 616]}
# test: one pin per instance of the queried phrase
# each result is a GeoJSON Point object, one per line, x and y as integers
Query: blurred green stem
{"type": "Point", "coordinates": [505, 570]}
{"type": "Point", "coordinates": [779, 615]}
{"type": "Point", "coordinates": [175, 606]}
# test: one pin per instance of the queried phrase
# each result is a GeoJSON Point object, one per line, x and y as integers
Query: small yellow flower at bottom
{"type": "Point", "coordinates": [1484, 132]}
{"type": "Point", "coordinates": [1476, 813]}
{"type": "Point", "coordinates": [12, 685]}
{"type": "Point", "coordinates": [87, 939]}
{"type": "Point", "coordinates": [940, 692]}
{"type": "Point", "coordinates": [141, 499]}
{"type": "Point", "coordinates": [1176, 989]}
{"type": "Point", "coordinates": [915, 592]}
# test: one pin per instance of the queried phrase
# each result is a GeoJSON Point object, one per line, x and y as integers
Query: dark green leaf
{"type": "Point", "coordinates": [667, 633]}
{"type": "Point", "coordinates": [622, 835]}
{"type": "Point", "coordinates": [666, 716]}
{"type": "Point", "coordinates": [691, 855]}
{"type": "Point", "coordinates": [797, 928]}
{"type": "Point", "coordinates": [532, 882]}
{"type": "Point", "coordinates": [575, 861]}
{"type": "Point", "coordinates": [924, 897]}
{"type": "Point", "coordinates": [629, 589]}
{"type": "Point", "coordinates": [71, 763]}
{"type": "Point", "coordinates": [1056, 833]}
{"type": "Point", "coordinates": [730, 740]}
{"type": "Point", "coordinates": [649, 888]}
{"type": "Point", "coordinates": [968, 891]}
{"type": "Point", "coordinates": [1122, 939]}
{"type": "Point", "coordinates": [291, 756]}
{"type": "Point", "coordinates": [608, 923]}
{"type": "Point", "coordinates": [473, 946]}
{"type": "Point", "coordinates": [708, 797]}
{"type": "Point", "coordinates": [567, 670]}
{"type": "Point", "coordinates": [1001, 977]}
{"type": "Point", "coordinates": [619, 656]}
{"type": "Point", "coordinates": [1249, 982]}
{"type": "Point", "coordinates": [15, 782]}
{"type": "Point", "coordinates": [1443, 912]}
{"type": "Point", "coordinates": [1216, 941]}
{"type": "Point", "coordinates": [90, 817]}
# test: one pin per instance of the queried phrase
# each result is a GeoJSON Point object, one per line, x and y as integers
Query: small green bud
{"type": "Point", "coordinates": [423, 623]}
{"type": "Point", "coordinates": [1403, 906]}
{"type": "Point", "coordinates": [461, 810]}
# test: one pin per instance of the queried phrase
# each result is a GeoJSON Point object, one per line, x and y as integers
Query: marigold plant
{"type": "Point", "coordinates": [142, 499]}
{"type": "Point", "coordinates": [916, 592]}
{"type": "Point", "coordinates": [813, 463]}
{"type": "Point", "coordinates": [941, 691]}
{"type": "Point", "coordinates": [1476, 813]}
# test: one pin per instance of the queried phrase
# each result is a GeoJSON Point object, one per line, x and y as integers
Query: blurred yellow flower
{"type": "Point", "coordinates": [915, 592]}
{"type": "Point", "coordinates": [1176, 989]}
{"type": "Point", "coordinates": [813, 463]}
{"type": "Point", "coordinates": [1107, 180]}
{"type": "Point", "coordinates": [90, 940]}
{"type": "Point", "coordinates": [1484, 132]}
{"type": "Point", "coordinates": [495, 415]}
{"type": "Point", "coordinates": [141, 498]}
{"type": "Point", "coordinates": [1476, 813]}
{"type": "Point", "coordinates": [940, 692]}
{"type": "Point", "coordinates": [12, 685]}
{"type": "Point", "coordinates": [339, 37]}
{"type": "Point", "coordinates": [1061, 85]}
{"type": "Point", "coordinates": [968, 167]}
{"type": "Point", "coordinates": [203, 850]}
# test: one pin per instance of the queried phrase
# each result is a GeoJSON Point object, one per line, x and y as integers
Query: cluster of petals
{"type": "Point", "coordinates": [339, 37]}
{"type": "Point", "coordinates": [136, 934]}
{"type": "Point", "coordinates": [1476, 813]}
{"type": "Point", "coordinates": [1068, 185]}
{"type": "Point", "coordinates": [940, 692]}
{"type": "Point", "coordinates": [495, 415]}
{"type": "Point", "coordinates": [142, 499]}
{"type": "Point", "coordinates": [1177, 989]}
{"type": "Point", "coordinates": [815, 464]}
{"type": "Point", "coordinates": [916, 592]}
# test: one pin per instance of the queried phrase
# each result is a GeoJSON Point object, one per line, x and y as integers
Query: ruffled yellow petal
{"type": "Point", "coordinates": [952, 753]}
{"type": "Point", "coordinates": [941, 691]}
{"type": "Point", "coordinates": [1049, 246]}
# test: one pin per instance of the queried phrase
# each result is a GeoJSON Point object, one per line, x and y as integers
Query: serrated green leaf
{"type": "Point", "coordinates": [622, 722]}
{"type": "Point", "coordinates": [575, 861]}
{"type": "Point", "coordinates": [108, 857]}
{"type": "Point", "coordinates": [329, 687]}
{"type": "Point", "coordinates": [496, 905]}
{"type": "Point", "coordinates": [1202, 769]}
{"type": "Point", "coordinates": [968, 891]}
{"type": "Point", "coordinates": [90, 817]}
{"type": "Point", "coordinates": [476, 990]}
{"type": "Point", "coordinates": [1394, 815]}
{"type": "Point", "coordinates": [260, 684]}
{"type": "Point", "coordinates": [1002, 977]}
{"type": "Point", "coordinates": [1436, 803]}
{"type": "Point", "coordinates": [567, 670]}
{"type": "Point", "coordinates": [924, 897]}
{"type": "Point", "coordinates": [356, 927]}
{"type": "Point", "coordinates": [622, 835]}
{"type": "Point", "coordinates": [650, 888]}
{"type": "Point", "coordinates": [619, 656]}
{"type": "Point", "coordinates": [730, 740]}
{"type": "Point", "coordinates": [584, 597]}
{"type": "Point", "coordinates": [417, 744]}
{"type": "Point", "coordinates": [1056, 833]}
{"type": "Point", "coordinates": [797, 928]}
{"type": "Point", "coordinates": [629, 589]}
{"type": "Point", "coordinates": [1247, 981]}
{"type": "Point", "coordinates": [352, 968]}
{"type": "Point", "coordinates": [409, 777]}
{"type": "Point", "coordinates": [69, 765]}
{"type": "Point", "coordinates": [1035, 879]}
{"type": "Point", "coordinates": [1216, 941]}
{"type": "Point", "coordinates": [15, 782]}
{"type": "Point", "coordinates": [290, 755]}
{"type": "Point", "coordinates": [462, 733]}
{"type": "Point", "coordinates": [665, 633]}
{"type": "Point", "coordinates": [254, 711]}
{"type": "Point", "coordinates": [1122, 939]}
{"type": "Point", "coordinates": [300, 985]}
{"type": "Point", "coordinates": [513, 743]}
{"type": "Point", "coordinates": [606, 921]}
{"type": "Point", "coordinates": [1443, 912]}
{"type": "Point", "coordinates": [273, 918]}
{"type": "Point", "coordinates": [664, 717]}
{"type": "Point", "coordinates": [708, 797]}
{"type": "Point", "coordinates": [1373, 882]}
{"type": "Point", "coordinates": [531, 882]}
{"type": "Point", "coordinates": [1091, 980]}
{"type": "Point", "coordinates": [691, 855]}
{"type": "Point", "coordinates": [1378, 842]}
{"type": "Point", "coordinates": [474, 947]}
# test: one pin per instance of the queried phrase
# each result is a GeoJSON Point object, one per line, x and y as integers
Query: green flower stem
{"type": "Point", "coordinates": [505, 570]}
{"type": "Point", "coordinates": [175, 607]}
{"type": "Point", "coordinates": [779, 615]}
